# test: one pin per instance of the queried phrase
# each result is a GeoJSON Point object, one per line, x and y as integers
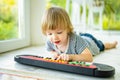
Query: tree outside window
{"type": "Point", "coordinates": [111, 14]}
{"type": "Point", "coordinates": [8, 19]}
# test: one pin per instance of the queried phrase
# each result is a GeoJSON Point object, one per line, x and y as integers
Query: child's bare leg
{"type": "Point", "coordinates": [110, 45]}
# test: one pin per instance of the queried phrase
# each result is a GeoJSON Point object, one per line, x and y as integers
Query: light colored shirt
{"type": "Point", "coordinates": [76, 44]}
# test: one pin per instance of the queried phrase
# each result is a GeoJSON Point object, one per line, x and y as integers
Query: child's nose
{"type": "Point", "coordinates": [55, 36]}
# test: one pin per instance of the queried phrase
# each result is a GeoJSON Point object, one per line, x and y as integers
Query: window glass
{"type": "Point", "coordinates": [110, 14]}
{"type": "Point", "coordinates": [14, 24]}
{"type": "Point", "coordinates": [8, 19]}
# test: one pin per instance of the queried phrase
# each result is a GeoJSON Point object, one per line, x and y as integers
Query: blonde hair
{"type": "Point", "coordinates": [56, 18]}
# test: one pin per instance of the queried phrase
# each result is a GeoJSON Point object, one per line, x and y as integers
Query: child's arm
{"type": "Point", "coordinates": [84, 56]}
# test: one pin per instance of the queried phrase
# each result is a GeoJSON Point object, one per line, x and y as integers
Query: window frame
{"type": "Point", "coordinates": [24, 29]}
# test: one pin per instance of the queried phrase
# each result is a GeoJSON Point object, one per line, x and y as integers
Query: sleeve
{"type": "Point", "coordinates": [49, 46]}
{"type": "Point", "coordinates": [81, 44]}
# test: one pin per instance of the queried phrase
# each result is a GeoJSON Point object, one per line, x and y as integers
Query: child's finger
{"type": "Point", "coordinates": [62, 57]}
{"type": "Point", "coordinates": [65, 57]}
{"type": "Point", "coordinates": [58, 58]}
{"type": "Point", "coordinates": [54, 56]}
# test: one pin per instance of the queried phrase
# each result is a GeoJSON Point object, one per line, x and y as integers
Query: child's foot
{"type": "Point", "coordinates": [114, 44]}
{"type": "Point", "coordinates": [111, 45]}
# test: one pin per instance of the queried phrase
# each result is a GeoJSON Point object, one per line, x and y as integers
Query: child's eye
{"type": "Point", "coordinates": [49, 33]}
{"type": "Point", "coordinates": [59, 32]}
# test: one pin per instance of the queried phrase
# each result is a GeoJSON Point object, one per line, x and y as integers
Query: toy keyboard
{"type": "Point", "coordinates": [83, 68]}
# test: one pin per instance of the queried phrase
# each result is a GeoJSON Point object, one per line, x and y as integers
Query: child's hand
{"type": "Point", "coordinates": [54, 55]}
{"type": "Point", "coordinates": [63, 57]}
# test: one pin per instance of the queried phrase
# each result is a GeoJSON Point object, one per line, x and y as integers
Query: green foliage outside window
{"type": "Point", "coordinates": [111, 14]}
{"type": "Point", "coordinates": [8, 19]}
{"type": "Point", "coordinates": [61, 3]}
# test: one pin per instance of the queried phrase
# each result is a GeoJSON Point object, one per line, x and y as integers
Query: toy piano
{"type": "Point", "coordinates": [83, 68]}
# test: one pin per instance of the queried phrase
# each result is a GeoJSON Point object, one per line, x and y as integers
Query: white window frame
{"type": "Point", "coordinates": [24, 29]}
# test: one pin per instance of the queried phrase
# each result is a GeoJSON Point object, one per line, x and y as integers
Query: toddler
{"type": "Point", "coordinates": [64, 44]}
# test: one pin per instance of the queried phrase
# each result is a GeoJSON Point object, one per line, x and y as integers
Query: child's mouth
{"type": "Point", "coordinates": [57, 42]}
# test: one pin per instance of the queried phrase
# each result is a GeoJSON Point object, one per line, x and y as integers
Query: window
{"type": "Point", "coordinates": [15, 28]}
{"type": "Point", "coordinates": [8, 19]}
{"type": "Point", "coordinates": [111, 15]}
{"type": "Point", "coordinates": [95, 14]}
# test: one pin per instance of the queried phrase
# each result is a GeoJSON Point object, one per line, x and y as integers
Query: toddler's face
{"type": "Point", "coordinates": [57, 37]}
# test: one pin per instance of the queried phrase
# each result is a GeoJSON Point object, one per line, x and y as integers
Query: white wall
{"type": "Point", "coordinates": [36, 11]}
